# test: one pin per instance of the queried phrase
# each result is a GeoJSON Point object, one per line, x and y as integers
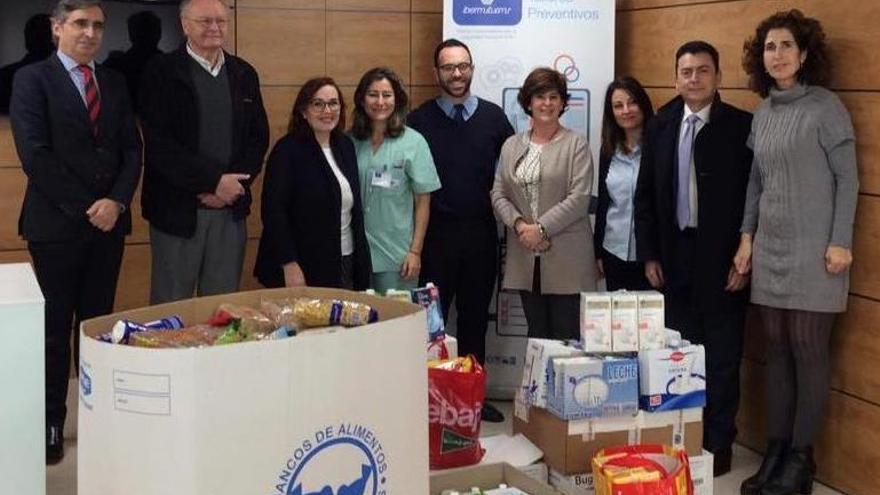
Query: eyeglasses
{"type": "Point", "coordinates": [463, 67]}
{"type": "Point", "coordinates": [317, 105]}
{"type": "Point", "coordinates": [207, 22]}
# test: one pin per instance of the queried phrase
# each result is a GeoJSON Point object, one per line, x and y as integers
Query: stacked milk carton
{"type": "Point", "coordinates": [622, 321]}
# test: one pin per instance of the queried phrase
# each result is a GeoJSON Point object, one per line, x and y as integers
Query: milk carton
{"type": "Point", "coordinates": [596, 321]}
{"type": "Point", "coordinates": [651, 320]}
{"type": "Point", "coordinates": [535, 372]}
{"type": "Point", "coordinates": [624, 322]}
{"type": "Point", "coordinates": [592, 387]}
{"type": "Point", "coordinates": [672, 378]}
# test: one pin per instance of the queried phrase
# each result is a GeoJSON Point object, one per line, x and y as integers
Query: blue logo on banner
{"type": "Point", "coordinates": [343, 460]}
{"type": "Point", "coordinates": [487, 12]}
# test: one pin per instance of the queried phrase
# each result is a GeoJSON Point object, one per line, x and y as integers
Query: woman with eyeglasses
{"type": "Point", "coordinates": [313, 224]}
{"type": "Point", "coordinates": [627, 110]}
{"type": "Point", "coordinates": [541, 193]}
{"type": "Point", "coordinates": [397, 176]}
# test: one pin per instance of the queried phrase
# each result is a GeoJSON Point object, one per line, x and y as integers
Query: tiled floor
{"type": "Point", "coordinates": [61, 479]}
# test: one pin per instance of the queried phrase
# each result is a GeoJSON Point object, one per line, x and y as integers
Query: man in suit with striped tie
{"type": "Point", "coordinates": [76, 137]}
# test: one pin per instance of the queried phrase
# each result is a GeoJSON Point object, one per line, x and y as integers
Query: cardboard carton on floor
{"type": "Point", "coordinates": [302, 415]}
{"type": "Point", "coordinates": [486, 477]}
{"type": "Point", "coordinates": [569, 446]}
{"type": "Point", "coordinates": [702, 473]}
{"type": "Point", "coordinates": [574, 484]}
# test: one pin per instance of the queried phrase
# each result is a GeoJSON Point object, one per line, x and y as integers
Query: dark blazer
{"type": "Point", "coordinates": [67, 166]}
{"type": "Point", "coordinates": [603, 200]}
{"type": "Point", "coordinates": [723, 162]}
{"type": "Point", "coordinates": [301, 207]}
{"type": "Point", "coordinates": [174, 171]}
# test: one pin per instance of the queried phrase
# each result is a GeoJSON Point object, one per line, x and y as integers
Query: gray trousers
{"type": "Point", "coordinates": [209, 262]}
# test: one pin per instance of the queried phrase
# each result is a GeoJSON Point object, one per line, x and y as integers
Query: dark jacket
{"type": "Point", "coordinates": [174, 171]}
{"type": "Point", "coordinates": [723, 162]}
{"type": "Point", "coordinates": [301, 208]}
{"type": "Point", "coordinates": [603, 200]}
{"type": "Point", "coordinates": [67, 166]}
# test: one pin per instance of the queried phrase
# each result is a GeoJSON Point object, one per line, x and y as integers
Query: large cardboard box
{"type": "Point", "coordinates": [485, 477]}
{"type": "Point", "coordinates": [302, 415]}
{"type": "Point", "coordinates": [672, 378]}
{"type": "Point", "coordinates": [569, 446]}
{"type": "Point", "coordinates": [593, 386]}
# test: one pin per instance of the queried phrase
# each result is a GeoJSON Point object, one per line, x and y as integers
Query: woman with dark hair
{"type": "Point", "coordinates": [796, 236]}
{"type": "Point", "coordinates": [397, 177]}
{"type": "Point", "coordinates": [627, 110]}
{"type": "Point", "coordinates": [313, 227]}
{"type": "Point", "coordinates": [541, 193]}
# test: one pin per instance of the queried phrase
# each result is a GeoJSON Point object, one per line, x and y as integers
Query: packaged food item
{"type": "Point", "coordinates": [311, 313]}
{"type": "Point", "coordinates": [624, 322]}
{"type": "Point", "coordinates": [399, 295]}
{"type": "Point", "coordinates": [253, 325]}
{"type": "Point", "coordinates": [123, 329]}
{"type": "Point", "coordinates": [596, 321]}
{"type": "Point", "coordinates": [428, 297]}
{"type": "Point", "coordinates": [195, 336]}
{"type": "Point", "coordinates": [280, 311]}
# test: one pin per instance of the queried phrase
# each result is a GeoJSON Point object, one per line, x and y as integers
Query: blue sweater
{"type": "Point", "coordinates": [465, 155]}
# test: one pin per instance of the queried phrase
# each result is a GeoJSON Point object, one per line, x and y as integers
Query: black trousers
{"type": "Point", "coordinates": [720, 332]}
{"type": "Point", "coordinates": [619, 274]}
{"type": "Point", "coordinates": [78, 279]}
{"type": "Point", "coordinates": [461, 258]}
{"type": "Point", "coordinates": [550, 316]}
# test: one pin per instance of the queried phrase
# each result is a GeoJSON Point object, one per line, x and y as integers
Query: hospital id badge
{"type": "Point", "coordinates": [381, 178]}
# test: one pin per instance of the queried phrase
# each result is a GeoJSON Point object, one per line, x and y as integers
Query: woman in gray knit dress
{"type": "Point", "coordinates": [796, 236]}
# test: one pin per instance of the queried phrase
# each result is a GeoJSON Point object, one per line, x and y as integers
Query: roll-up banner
{"type": "Point", "coordinates": [507, 39]}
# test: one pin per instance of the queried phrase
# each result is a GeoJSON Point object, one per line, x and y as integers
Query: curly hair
{"type": "Point", "coordinates": [540, 81]}
{"type": "Point", "coordinates": [809, 36]}
{"type": "Point", "coordinates": [362, 126]}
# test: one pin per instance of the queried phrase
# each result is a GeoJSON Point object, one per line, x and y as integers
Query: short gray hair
{"type": "Point", "coordinates": [184, 5]}
{"type": "Point", "coordinates": [65, 7]}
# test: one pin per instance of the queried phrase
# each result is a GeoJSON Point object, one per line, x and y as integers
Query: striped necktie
{"type": "Point", "coordinates": [93, 99]}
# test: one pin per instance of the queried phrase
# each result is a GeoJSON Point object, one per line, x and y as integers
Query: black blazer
{"type": "Point", "coordinates": [301, 207]}
{"type": "Point", "coordinates": [723, 162]}
{"type": "Point", "coordinates": [603, 200]}
{"type": "Point", "coordinates": [67, 167]}
{"type": "Point", "coordinates": [174, 172]}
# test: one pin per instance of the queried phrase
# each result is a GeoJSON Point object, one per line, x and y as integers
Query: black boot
{"type": "Point", "coordinates": [773, 457]}
{"type": "Point", "coordinates": [795, 475]}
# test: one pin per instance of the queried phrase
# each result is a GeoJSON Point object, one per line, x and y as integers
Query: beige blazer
{"type": "Point", "coordinates": [569, 266]}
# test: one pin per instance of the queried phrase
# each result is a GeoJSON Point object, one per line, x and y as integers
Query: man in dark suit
{"type": "Point", "coordinates": [688, 211]}
{"type": "Point", "coordinates": [206, 132]}
{"type": "Point", "coordinates": [79, 147]}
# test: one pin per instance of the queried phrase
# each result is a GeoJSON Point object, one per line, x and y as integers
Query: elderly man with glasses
{"type": "Point", "coordinates": [205, 134]}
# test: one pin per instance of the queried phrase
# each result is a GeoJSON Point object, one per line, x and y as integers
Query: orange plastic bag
{"type": "Point", "coordinates": [642, 470]}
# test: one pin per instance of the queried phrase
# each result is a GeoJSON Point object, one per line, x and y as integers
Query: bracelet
{"type": "Point", "coordinates": [543, 232]}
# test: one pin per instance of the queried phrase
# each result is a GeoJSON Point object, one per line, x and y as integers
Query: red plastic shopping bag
{"type": "Point", "coordinates": [456, 390]}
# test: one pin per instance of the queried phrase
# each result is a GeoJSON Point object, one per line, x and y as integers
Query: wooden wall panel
{"type": "Point", "coordinates": [427, 6]}
{"type": "Point", "coordinates": [866, 248]}
{"type": "Point", "coordinates": [12, 185]}
{"type": "Point", "coordinates": [285, 46]}
{"type": "Point", "coordinates": [653, 35]}
{"type": "Point", "coordinates": [360, 41]}
{"type": "Point", "coordinates": [278, 101]}
{"type": "Point", "coordinates": [649, 4]}
{"type": "Point", "coordinates": [371, 6]}
{"type": "Point", "coordinates": [283, 4]}
{"type": "Point", "coordinates": [15, 256]}
{"type": "Point", "coordinates": [8, 156]}
{"type": "Point", "coordinates": [427, 33]}
{"type": "Point", "coordinates": [421, 94]}
{"type": "Point", "coordinates": [855, 347]}
{"type": "Point", "coordinates": [133, 287]}
{"type": "Point", "coordinates": [864, 108]}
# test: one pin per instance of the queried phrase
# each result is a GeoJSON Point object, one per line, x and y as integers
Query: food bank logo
{"type": "Point", "coordinates": [487, 12]}
{"type": "Point", "coordinates": [345, 459]}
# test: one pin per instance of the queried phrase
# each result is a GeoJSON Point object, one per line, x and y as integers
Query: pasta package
{"type": "Point", "coordinates": [311, 313]}
{"type": "Point", "coordinates": [195, 336]}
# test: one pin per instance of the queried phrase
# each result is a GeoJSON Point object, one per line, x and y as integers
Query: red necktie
{"type": "Point", "coordinates": [93, 99]}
